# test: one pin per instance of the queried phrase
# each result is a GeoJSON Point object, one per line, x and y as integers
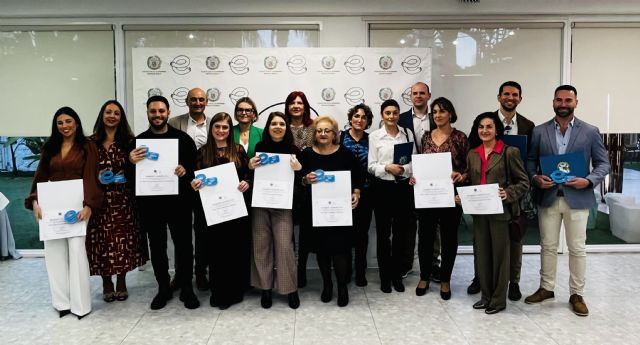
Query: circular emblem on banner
{"type": "Point", "coordinates": [411, 64]}
{"type": "Point", "coordinates": [385, 93]}
{"type": "Point", "coordinates": [154, 91]}
{"type": "Point", "coordinates": [328, 62]}
{"type": "Point", "coordinates": [564, 167]}
{"type": "Point", "coordinates": [239, 64]}
{"type": "Point", "coordinates": [354, 64]}
{"type": "Point", "coordinates": [406, 96]}
{"type": "Point", "coordinates": [270, 62]}
{"type": "Point", "coordinates": [179, 96]}
{"type": "Point", "coordinates": [213, 94]}
{"type": "Point", "coordinates": [212, 62]}
{"type": "Point", "coordinates": [238, 93]}
{"type": "Point", "coordinates": [354, 95]}
{"type": "Point", "coordinates": [328, 94]}
{"type": "Point", "coordinates": [181, 65]}
{"type": "Point", "coordinates": [297, 64]}
{"type": "Point", "coordinates": [385, 62]}
{"type": "Point", "coordinates": [154, 62]}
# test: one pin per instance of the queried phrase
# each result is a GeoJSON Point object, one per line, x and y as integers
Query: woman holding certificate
{"type": "Point", "coordinates": [444, 138]}
{"type": "Point", "coordinates": [390, 149]}
{"type": "Point", "coordinates": [356, 140]}
{"type": "Point", "coordinates": [273, 228]}
{"type": "Point", "coordinates": [228, 241]}
{"type": "Point", "coordinates": [115, 244]}
{"type": "Point", "coordinates": [68, 155]}
{"type": "Point", "coordinates": [490, 161]}
{"type": "Point", "coordinates": [298, 113]}
{"type": "Point", "coordinates": [245, 133]}
{"type": "Point", "coordinates": [332, 244]}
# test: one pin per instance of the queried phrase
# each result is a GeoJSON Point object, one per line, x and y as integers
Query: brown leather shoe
{"type": "Point", "coordinates": [539, 296]}
{"type": "Point", "coordinates": [578, 305]}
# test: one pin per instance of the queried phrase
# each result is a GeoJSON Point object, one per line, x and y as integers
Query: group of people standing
{"type": "Point", "coordinates": [259, 250]}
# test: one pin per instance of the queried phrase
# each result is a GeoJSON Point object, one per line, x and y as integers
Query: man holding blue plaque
{"type": "Point", "coordinates": [517, 132]}
{"type": "Point", "coordinates": [566, 194]}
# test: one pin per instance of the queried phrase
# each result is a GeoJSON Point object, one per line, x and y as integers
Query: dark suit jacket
{"type": "Point", "coordinates": [406, 120]}
{"type": "Point", "coordinates": [496, 173]}
{"type": "Point", "coordinates": [525, 126]}
{"type": "Point", "coordinates": [584, 138]}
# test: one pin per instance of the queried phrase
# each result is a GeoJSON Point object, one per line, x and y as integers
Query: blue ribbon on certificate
{"type": "Point", "coordinates": [207, 181]}
{"type": "Point", "coordinates": [71, 217]}
{"type": "Point", "coordinates": [322, 177]}
{"type": "Point", "coordinates": [562, 168]}
{"type": "Point", "coordinates": [150, 155]}
{"type": "Point", "coordinates": [108, 177]}
{"type": "Point", "coordinates": [266, 159]}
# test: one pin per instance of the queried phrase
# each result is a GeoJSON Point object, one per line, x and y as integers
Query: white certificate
{"type": "Point", "coordinates": [433, 187]}
{"type": "Point", "coordinates": [481, 199]}
{"type": "Point", "coordinates": [331, 201]}
{"type": "Point", "coordinates": [273, 184]}
{"type": "Point", "coordinates": [158, 177]}
{"type": "Point", "coordinates": [56, 199]}
{"type": "Point", "coordinates": [222, 202]}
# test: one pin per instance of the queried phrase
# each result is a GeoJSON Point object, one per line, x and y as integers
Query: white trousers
{"type": "Point", "coordinates": [68, 270]}
{"type": "Point", "coordinates": [575, 225]}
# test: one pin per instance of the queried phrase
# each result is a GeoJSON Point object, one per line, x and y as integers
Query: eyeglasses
{"type": "Point", "coordinates": [197, 99]}
{"type": "Point", "coordinates": [244, 111]}
{"type": "Point", "coordinates": [324, 130]}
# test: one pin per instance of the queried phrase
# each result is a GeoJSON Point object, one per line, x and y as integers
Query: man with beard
{"type": "Point", "coordinates": [196, 124]}
{"type": "Point", "coordinates": [158, 211]}
{"type": "Point", "coordinates": [568, 202]}
{"type": "Point", "coordinates": [509, 96]}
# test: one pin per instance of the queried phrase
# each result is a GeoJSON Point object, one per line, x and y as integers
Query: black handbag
{"type": "Point", "coordinates": [516, 225]}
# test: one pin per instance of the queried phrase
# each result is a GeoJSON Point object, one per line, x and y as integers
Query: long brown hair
{"type": "Point", "coordinates": [208, 155]}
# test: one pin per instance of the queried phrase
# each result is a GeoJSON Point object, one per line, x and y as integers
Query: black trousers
{"type": "Point", "coordinates": [361, 222]}
{"type": "Point", "coordinates": [393, 205]}
{"type": "Point", "coordinates": [449, 221]}
{"type": "Point", "coordinates": [154, 218]}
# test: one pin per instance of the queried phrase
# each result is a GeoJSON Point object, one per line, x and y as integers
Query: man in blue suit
{"type": "Point", "coordinates": [568, 202]}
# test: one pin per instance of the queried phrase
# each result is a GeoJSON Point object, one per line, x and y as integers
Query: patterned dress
{"type": "Point", "coordinates": [115, 244]}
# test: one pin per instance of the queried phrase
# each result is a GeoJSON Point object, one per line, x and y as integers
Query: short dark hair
{"type": "Point", "coordinates": [367, 112]}
{"type": "Point", "coordinates": [512, 84]}
{"type": "Point", "coordinates": [158, 99]}
{"type": "Point", "coordinates": [566, 88]}
{"type": "Point", "coordinates": [389, 102]}
{"type": "Point", "coordinates": [445, 104]}
{"type": "Point", "coordinates": [474, 138]}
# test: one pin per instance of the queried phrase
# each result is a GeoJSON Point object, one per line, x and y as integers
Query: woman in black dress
{"type": "Point", "coordinates": [228, 242]}
{"type": "Point", "coordinates": [332, 245]}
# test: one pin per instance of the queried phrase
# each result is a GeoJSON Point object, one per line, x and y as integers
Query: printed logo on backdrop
{"type": "Point", "coordinates": [181, 64]}
{"type": "Point", "coordinates": [328, 96]}
{"type": "Point", "coordinates": [385, 63]}
{"type": "Point", "coordinates": [354, 64]}
{"type": "Point", "coordinates": [179, 96]}
{"type": "Point", "coordinates": [213, 94]}
{"type": "Point", "coordinates": [239, 64]}
{"type": "Point", "coordinates": [328, 64]}
{"type": "Point", "coordinates": [385, 93]}
{"type": "Point", "coordinates": [212, 62]}
{"type": "Point", "coordinates": [354, 95]}
{"type": "Point", "coordinates": [411, 64]}
{"type": "Point", "coordinates": [270, 64]}
{"type": "Point", "coordinates": [154, 91]}
{"type": "Point", "coordinates": [406, 96]}
{"type": "Point", "coordinates": [297, 64]}
{"type": "Point", "coordinates": [238, 93]}
{"type": "Point", "coordinates": [153, 64]}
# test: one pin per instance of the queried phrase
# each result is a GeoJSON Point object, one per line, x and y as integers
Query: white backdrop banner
{"type": "Point", "coordinates": [334, 79]}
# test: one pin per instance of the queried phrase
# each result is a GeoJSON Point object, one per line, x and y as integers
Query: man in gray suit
{"type": "Point", "coordinates": [196, 124]}
{"type": "Point", "coordinates": [568, 202]}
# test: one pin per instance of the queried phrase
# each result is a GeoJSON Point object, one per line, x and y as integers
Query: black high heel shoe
{"type": "Point", "coordinates": [327, 293]}
{"type": "Point", "coordinates": [445, 295]}
{"type": "Point", "coordinates": [265, 300]}
{"type": "Point", "coordinates": [294, 300]}
{"type": "Point", "coordinates": [343, 296]}
{"type": "Point", "coordinates": [422, 291]}
{"type": "Point", "coordinates": [63, 313]}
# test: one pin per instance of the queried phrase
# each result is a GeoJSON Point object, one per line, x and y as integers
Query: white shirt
{"type": "Point", "coordinates": [381, 152]}
{"type": "Point", "coordinates": [420, 126]}
{"type": "Point", "coordinates": [197, 132]}
{"type": "Point", "coordinates": [514, 124]}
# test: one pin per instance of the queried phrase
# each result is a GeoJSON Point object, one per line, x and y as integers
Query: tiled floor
{"type": "Point", "coordinates": [26, 316]}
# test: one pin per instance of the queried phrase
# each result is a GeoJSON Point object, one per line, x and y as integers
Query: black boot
{"type": "Point", "coordinates": [343, 295]}
{"type": "Point", "coordinates": [265, 300]}
{"type": "Point", "coordinates": [327, 292]}
{"type": "Point", "coordinates": [294, 300]}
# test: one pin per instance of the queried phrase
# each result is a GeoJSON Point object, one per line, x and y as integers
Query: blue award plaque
{"type": "Point", "coordinates": [561, 168]}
